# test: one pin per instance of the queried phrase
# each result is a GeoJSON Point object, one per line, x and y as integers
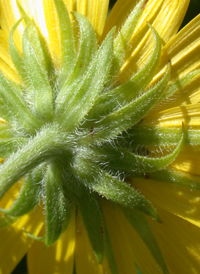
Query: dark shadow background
{"type": "Point", "coordinates": [193, 10]}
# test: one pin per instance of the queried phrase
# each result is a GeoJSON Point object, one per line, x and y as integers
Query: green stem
{"type": "Point", "coordinates": [49, 142]}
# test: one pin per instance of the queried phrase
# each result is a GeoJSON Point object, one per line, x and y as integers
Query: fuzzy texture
{"type": "Point", "coordinates": [76, 135]}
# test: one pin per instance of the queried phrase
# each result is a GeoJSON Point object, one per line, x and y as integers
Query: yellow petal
{"type": "Point", "coordinates": [96, 12]}
{"type": "Point", "coordinates": [6, 65]}
{"type": "Point", "coordinates": [128, 247]}
{"type": "Point", "coordinates": [34, 9]}
{"type": "Point", "coordinates": [13, 247]}
{"type": "Point", "coordinates": [56, 259]}
{"type": "Point", "coordinates": [165, 15]}
{"type": "Point", "coordinates": [10, 196]}
{"type": "Point", "coordinates": [4, 53]}
{"type": "Point", "coordinates": [188, 160]}
{"type": "Point", "coordinates": [85, 260]}
{"type": "Point", "coordinates": [174, 117]}
{"type": "Point", "coordinates": [52, 24]}
{"type": "Point", "coordinates": [180, 242]}
{"type": "Point", "coordinates": [183, 50]}
{"type": "Point", "coordinates": [15, 243]}
{"type": "Point", "coordinates": [9, 14]}
{"type": "Point", "coordinates": [188, 94]}
{"type": "Point", "coordinates": [177, 200]}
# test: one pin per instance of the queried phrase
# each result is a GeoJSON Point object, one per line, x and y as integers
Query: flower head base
{"type": "Point", "coordinates": [68, 129]}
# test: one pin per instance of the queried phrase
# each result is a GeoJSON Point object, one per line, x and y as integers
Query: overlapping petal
{"type": "Point", "coordinates": [85, 259]}
{"type": "Point", "coordinates": [181, 201]}
{"type": "Point", "coordinates": [179, 241]}
{"type": "Point", "coordinates": [6, 64]}
{"type": "Point", "coordinates": [141, 43]}
{"type": "Point", "coordinates": [188, 160]}
{"type": "Point", "coordinates": [177, 206]}
{"type": "Point", "coordinates": [95, 11]}
{"type": "Point", "coordinates": [128, 248]}
{"type": "Point", "coordinates": [183, 51]}
{"type": "Point", "coordinates": [58, 258]}
{"type": "Point", "coordinates": [174, 117]}
{"type": "Point", "coordinates": [14, 241]}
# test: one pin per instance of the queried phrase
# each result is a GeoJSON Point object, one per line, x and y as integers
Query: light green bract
{"type": "Point", "coordinates": [69, 132]}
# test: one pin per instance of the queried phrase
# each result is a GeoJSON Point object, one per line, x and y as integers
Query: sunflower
{"type": "Point", "coordinates": [99, 137]}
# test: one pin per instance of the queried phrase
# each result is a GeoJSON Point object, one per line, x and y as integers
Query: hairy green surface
{"type": "Point", "coordinates": [73, 135]}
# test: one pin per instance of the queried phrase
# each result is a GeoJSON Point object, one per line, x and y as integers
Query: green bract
{"type": "Point", "coordinates": [69, 132]}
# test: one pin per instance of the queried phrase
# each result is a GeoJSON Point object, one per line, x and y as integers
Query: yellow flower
{"type": "Point", "coordinates": [101, 123]}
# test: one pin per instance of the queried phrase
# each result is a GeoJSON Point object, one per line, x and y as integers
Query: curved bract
{"type": "Point", "coordinates": [72, 132]}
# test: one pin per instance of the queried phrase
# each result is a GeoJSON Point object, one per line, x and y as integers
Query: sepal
{"type": "Point", "coordinates": [67, 42]}
{"type": "Point", "coordinates": [119, 96]}
{"type": "Point", "coordinates": [19, 114]}
{"type": "Point", "coordinates": [127, 116]}
{"type": "Point", "coordinates": [15, 54]}
{"type": "Point", "coordinates": [90, 208]}
{"type": "Point", "coordinates": [75, 101]}
{"type": "Point", "coordinates": [29, 195]}
{"type": "Point", "coordinates": [40, 93]}
{"type": "Point", "coordinates": [123, 160]}
{"type": "Point", "coordinates": [123, 37]}
{"type": "Point", "coordinates": [57, 207]}
{"type": "Point", "coordinates": [138, 270]}
{"type": "Point", "coordinates": [91, 212]}
{"type": "Point", "coordinates": [87, 39]}
{"type": "Point", "coordinates": [111, 187]}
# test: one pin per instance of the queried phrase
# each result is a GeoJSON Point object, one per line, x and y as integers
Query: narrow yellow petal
{"type": "Point", "coordinates": [15, 243]}
{"type": "Point", "coordinates": [52, 24]}
{"type": "Point", "coordinates": [118, 14]}
{"type": "Point", "coordinates": [96, 12]}
{"type": "Point", "coordinates": [187, 94]}
{"type": "Point", "coordinates": [177, 200]}
{"type": "Point", "coordinates": [6, 65]}
{"type": "Point", "coordinates": [4, 53]}
{"type": "Point", "coordinates": [9, 14]}
{"type": "Point", "coordinates": [34, 9]}
{"type": "Point", "coordinates": [174, 117]}
{"type": "Point", "coordinates": [128, 247]}
{"type": "Point", "coordinates": [188, 160]}
{"type": "Point", "coordinates": [56, 259]}
{"type": "Point", "coordinates": [183, 50]}
{"type": "Point", "coordinates": [10, 196]}
{"type": "Point", "coordinates": [85, 259]}
{"type": "Point", "coordinates": [8, 72]}
{"type": "Point", "coordinates": [166, 17]}
{"type": "Point", "coordinates": [180, 242]}
{"type": "Point", "coordinates": [13, 247]}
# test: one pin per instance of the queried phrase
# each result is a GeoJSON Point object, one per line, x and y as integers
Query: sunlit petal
{"type": "Point", "coordinates": [174, 117]}
{"type": "Point", "coordinates": [177, 200]}
{"type": "Point", "coordinates": [15, 242]}
{"type": "Point", "coordinates": [85, 259]}
{"type": "Point", "coordinates": [180, 241]}
{"type": "Point", "coordinates": [96, 12]}
{"type": "Point", "coordinates": [58, 258]}
{"type": "Point", "coordinates": [127, 245]}
{"type": "Point", "coordinates": [154, 11]}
